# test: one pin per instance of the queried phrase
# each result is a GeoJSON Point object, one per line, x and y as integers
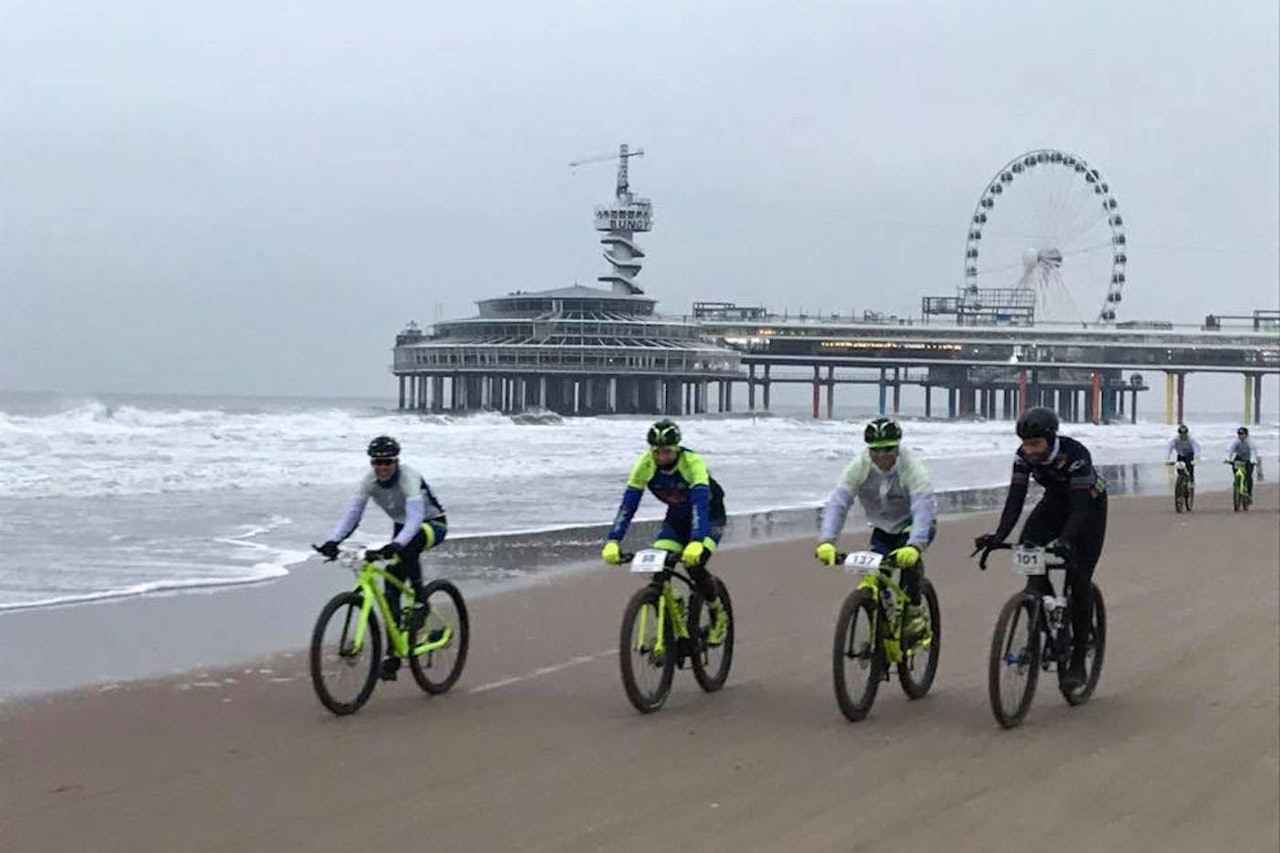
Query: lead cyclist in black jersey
{"type": "Point", "coordinates": [1073, 511]}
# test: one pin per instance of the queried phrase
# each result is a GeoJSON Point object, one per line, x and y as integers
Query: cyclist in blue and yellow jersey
{"type": "Point", "coordinates": [1072, 510]}
{"type": "Point", "coordinates": [695, 513]}
{"type": "Point", "coordinates": [1244, 450]}
{"type": "Point", "coordinates": [897, 498]}
{"type": "Point", "coordinates": [418, 524]}
{"type": "Point", "coordinates": [1184, 448]}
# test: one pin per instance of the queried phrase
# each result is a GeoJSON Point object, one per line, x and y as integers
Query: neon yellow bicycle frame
{"type": "Point", "coordinates": [371, 592]}
{"type": "Point", "coordinates": [891, 639]}
{"type": "Point", "coordinates": [667, 609]}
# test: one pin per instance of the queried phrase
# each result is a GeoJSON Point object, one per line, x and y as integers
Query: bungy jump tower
{"type": "Point", "coordinates": [571, 350]}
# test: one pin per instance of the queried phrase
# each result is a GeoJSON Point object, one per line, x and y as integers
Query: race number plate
{"type": "Point", "coordinates": [863, 562]}
{"type": "Point", "coordinates": [1028, 561]}
{"type": "Point", "coordinates": [649, 561]}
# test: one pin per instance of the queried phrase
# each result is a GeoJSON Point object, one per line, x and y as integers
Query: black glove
{"type": "Point", "coordinates": [390, 551]}
{"type": "Point", "coordinates": [328, 549]}
{"type": "Point", "coordinates": [985, 542]}
{"type": "Point", "coordinates": [1063, 550]}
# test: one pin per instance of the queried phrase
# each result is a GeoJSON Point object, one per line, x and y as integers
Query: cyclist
{"type": "Point", "coordinates": [898, 500]}
{"type": "Point", "coordinates": [418, 524]}
{"type": "Point", "coordinates": [1072, 510]}
{"type": "Point", "coordinates": [1245, 450]}
{"type": "Point", "coordinates": [695, 518]}
{"type": "Point", "coordinates": [1184, 448]}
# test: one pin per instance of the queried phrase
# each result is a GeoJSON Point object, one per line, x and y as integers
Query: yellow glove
{"type": "Point", "coordinates": [905, 557]}
{"type": "Point", "coordinates": [612, 553]}
{"type": "Point", "coordinates": [692, 553]}
{"type": "Point", "coordinates": [826, 553]}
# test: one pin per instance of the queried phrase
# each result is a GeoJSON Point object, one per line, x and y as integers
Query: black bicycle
{"type": "Point", "coordinates": [1033, 633]}
{"type": "Point", "coordinates": [1184, 489]}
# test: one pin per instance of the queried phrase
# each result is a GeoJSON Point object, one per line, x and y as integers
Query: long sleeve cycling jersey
{"type": "Point", "coordinates": [687, 489]}
{"type": "Point", "coordinates": [1184, 447]}
{"type": "Point", "coordinates": [892, 499]}
{"type": "Point", "coordinates": [406, 498]}
{"type": "Point", "coordinates": [1068, 474]}
{"type": "Point", "coordinates": [1245, 450]}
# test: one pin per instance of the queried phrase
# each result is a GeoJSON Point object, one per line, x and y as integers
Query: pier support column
{"type": "Point", "coordinates": [951, 402]}
{"type": "Point", "coordinates": [1022, 392]}
{"type": "Point", "coordinates": [897, 391]}
{"type": "Point", "coordinates": [831, 390]}
{"type": "Point", "coordinates": [928, 400]}
{"type": "Point", "coordinates": [816, 391]}
{"type": "Point", "coordinates": [766, 387]}
{"type": "Point", "coordinates": [1248, 400]}
{"type": "Point", "coordinates": [1257, 398]}
{"type": "Point", "coordinates": [1169, 384]}
{"type": "Point", "coordinates": [402, 392]}
{"type": "Point", "coordinates": [1182, 395]}
{"type": "Point", "coordinates": [751, 387]}
{"type": "Point", "coordinates": [728, 395]}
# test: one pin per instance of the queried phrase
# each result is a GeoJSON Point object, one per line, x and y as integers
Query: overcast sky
{"type": "Point", "coordinates": [252, 197]}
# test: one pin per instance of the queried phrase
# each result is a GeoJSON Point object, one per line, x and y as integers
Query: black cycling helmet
{"type": "Point", "coordinates": [664, 434]}
{"type": "Point", "coordinates": [1038, 423]}
{"type": "Point", "coordinates": [384, 447]}
{"type": "Point", "coordinates": [1182, 429]}
{"type": "Point", "coordinates": [883, 432]}
{"type": "Point", "coordinates": [1244, 430]}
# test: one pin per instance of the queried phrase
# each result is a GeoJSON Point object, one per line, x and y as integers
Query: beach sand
{"type": "Point", "coordinates": [537, 749]}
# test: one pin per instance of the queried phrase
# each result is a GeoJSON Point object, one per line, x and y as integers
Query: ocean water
{"type": "Point", "coordinates": [112, 496]}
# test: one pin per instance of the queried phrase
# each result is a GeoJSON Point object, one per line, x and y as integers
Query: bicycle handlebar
{"type": "Point", "coordinates": [1056, 550]}
{"type": "Point", "coordinates": [670, 560]}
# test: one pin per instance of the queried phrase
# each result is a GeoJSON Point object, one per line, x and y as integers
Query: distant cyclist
{"type": "Point", "coordinates": [898, 500]}
{"type": "Point", "coordinates": [695, 518]}
{"type": "Point", "coordinates": [1244, 450]}
{"type": "Point", "coordinates": [1073, 510]}
{"type": "Point", "coordinates": [418, 525]}
{"type": "Point", "coordinates": [1184, 448]}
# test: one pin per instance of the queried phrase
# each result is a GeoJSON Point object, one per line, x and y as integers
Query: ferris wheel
{"type": "Point", "coordinates": [1048, 223]}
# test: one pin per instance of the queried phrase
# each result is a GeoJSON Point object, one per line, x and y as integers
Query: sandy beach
{"type": "Point", "coordinates": [537, 749]}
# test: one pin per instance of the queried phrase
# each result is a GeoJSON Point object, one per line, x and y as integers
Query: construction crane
{"type": "Point", "coordinates": [623, 190]}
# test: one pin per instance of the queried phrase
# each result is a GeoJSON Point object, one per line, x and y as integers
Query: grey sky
{"type": "Point", "coordinates": [249, 197]}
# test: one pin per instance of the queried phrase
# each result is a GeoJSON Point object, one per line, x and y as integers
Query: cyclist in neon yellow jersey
{"type": "Point", "coordinates": [695, 518]}
{"type": "Point", "coordinates": [897, 497]}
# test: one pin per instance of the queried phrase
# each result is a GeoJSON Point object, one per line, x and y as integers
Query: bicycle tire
{"type": "Point", "coordinates": [1236, 499]}
{"type": "Point", "coordinates": [424, 666]}
{"type": "Point", "coordinates": [858, 601]}
{"type": "Point", "coordinates": [710, 679]}
{"type": "Point", "coordinates": [642, 701]}
{"type": "Point", "coordinates": [352, 602]}
{"type": "Point", "coordinates": [1179, 495]}
{"type": "Point", "coordinates": [918, 688]}
{"type": "Point", "coordinates": [1189, 497]}
{"type": "Point", "coordinates": [1024, 605]}
{"type": "Point", "coordinates": [1079, 697]}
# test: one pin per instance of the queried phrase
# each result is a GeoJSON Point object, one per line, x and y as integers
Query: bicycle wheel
{"type": "Point", "coordinates": [1189, 497]}
{"type": "Point", "coordinates": [436, 670]}
{"type": "Point", "coordinates": [646, 673]}
{"type": "Point", "coordinates": [342, 673]}
{"type": "Point", "coordinates": [1093, 659]}
{"type": "Point", "coordinates": [710, 663]}
{"type": "Point", "coordinates": [919, 665]}
{"type": "Point", "coordinates": [1180, 495]}
{"type": "Point", "coordinates": [1237, 498]}
{"type": "Point", "coordinates": [857, 657]}
{"type": "Point", "coordinates": [1014, 664]}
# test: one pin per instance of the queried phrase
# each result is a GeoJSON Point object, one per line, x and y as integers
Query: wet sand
{"type": "Point", "coordinates": [537, 748]}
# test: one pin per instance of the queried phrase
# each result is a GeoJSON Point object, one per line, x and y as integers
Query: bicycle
{"type": "Point", "coordinates": [660, 632]}
{"type": "Point", "coordinates": [1241, 497]}
{"type": "Point", "coordinates": [1046, 640]}
{"type": "Point", "coordinates": [881, 600]}
{"type": "Point", "coordinates": [434, 639]}
{"type": "Point", "coordinates": [1184, 490]}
